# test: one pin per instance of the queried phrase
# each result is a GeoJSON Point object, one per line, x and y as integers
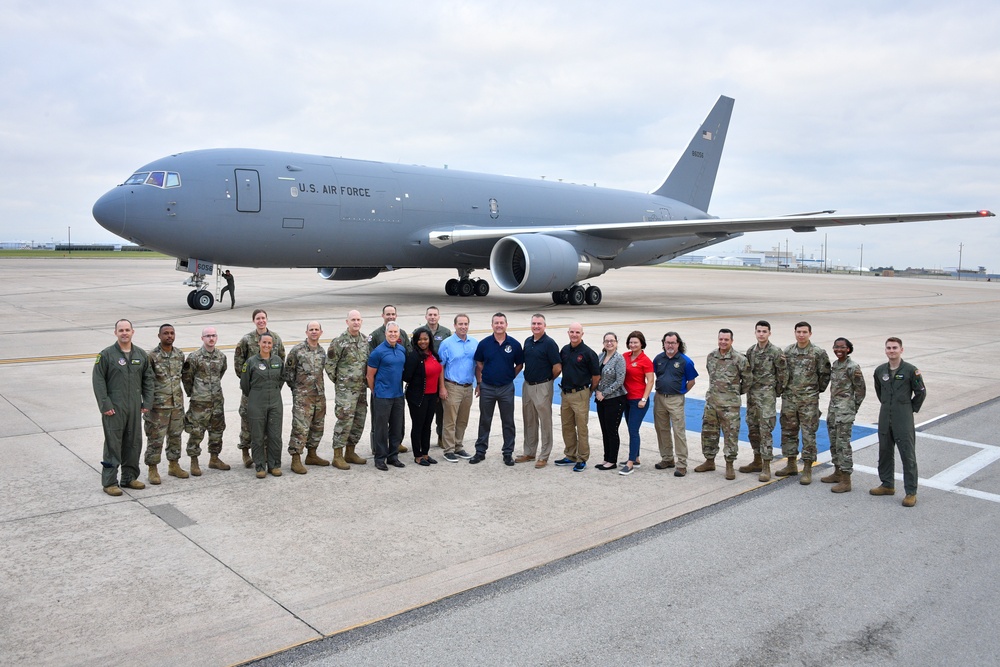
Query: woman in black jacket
{"type": "Point", "coordinates": [424, 378]}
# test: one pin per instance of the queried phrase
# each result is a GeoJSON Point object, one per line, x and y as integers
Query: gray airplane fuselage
{"type": "Point", "coordinates": [243, 207]}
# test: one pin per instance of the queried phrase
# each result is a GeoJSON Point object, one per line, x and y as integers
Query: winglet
{"type": "Point", "coordinates": [693, 177]}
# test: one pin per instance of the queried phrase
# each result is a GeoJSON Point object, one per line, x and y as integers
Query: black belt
{"type": "Point", "coordinates": [460, 384]}
{"type": "Point", "coordinates": [540, 382]}
{"type": "Point", "coordinates": [573, 390]}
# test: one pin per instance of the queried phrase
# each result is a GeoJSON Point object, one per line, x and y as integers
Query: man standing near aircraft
{"type": "Point", "coordinates": [248, 346]}
{"type": "Point", "coordinates": [123, 387]}
{"type": "Point", "coordinates": [385, 380]}
{"type": "Point", "coordinates": [303, 372]}
{"type": "Point", "coordinates": [769, 371]}
{"type": "Point", "coordinates": [165, 418]}
{"type": "Point", "coordinates": [457, 354]}
{"type": "Point", "coordinates": [376, 338]}
{"type": "Point", "coordinates": [439, 332]}
{"type": "Point", "coordinates": [808, 376]}
{"type": "Point", "coordinates": [542, 365]}
{"type": "Point", "coordinates": [499, 358]}
{"type": "Point", "coordinates": [230, 287]}
{"type": "Point", "coordinates": [675, 376]}
{"type": "Point", "coordinates": [202, 378]}
{"type": "Point", "coordinates": [347, 367]}
{"type": "Point", "coordinates": [900, 389]}
{"type": "Point", "coordinates": [728, 378]}
{"type": "Point", "coordinates": [581, 373]}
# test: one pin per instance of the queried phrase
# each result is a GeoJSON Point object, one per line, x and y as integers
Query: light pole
{"type": "Point", "coordinates": [861, 261]}
{"type": "Point", "coordinates": [960, 260]}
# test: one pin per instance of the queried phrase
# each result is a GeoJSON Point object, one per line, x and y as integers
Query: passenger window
{"type": "Point", "coordinates": [173, 179]}
{"type": "Point", "coordinates": [137, 179]}
{"type": "Point", "coordinates": [155, 178]}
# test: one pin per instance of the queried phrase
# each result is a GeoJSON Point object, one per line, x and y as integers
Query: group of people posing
{"type": "Point", "coordinates": [436, 374]}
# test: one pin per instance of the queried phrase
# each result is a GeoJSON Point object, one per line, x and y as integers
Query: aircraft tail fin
{"type": "Point", "coordinates": [693, 177]}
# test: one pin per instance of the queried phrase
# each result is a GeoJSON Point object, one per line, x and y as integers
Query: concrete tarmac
{"type": "Point", "coordinates": [225, 568]}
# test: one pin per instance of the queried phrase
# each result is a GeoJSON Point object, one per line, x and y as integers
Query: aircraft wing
{"type": "Point", "coordinates": [707, 227]}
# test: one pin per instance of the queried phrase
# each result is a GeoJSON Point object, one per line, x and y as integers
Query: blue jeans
{"type": "Point", "coordinates": [633, 418]}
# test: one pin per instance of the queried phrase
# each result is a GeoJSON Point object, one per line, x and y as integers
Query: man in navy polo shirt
{"type": "Point", "coordinates": [499, 358]}
{"type": "Point", "coordinates": [385, 380]}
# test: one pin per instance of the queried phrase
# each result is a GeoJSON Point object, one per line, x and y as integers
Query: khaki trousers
{"type": "Point", "coordinates": [575, 414]}
{"type": "Point", "coordinates": [536, 410]}
{"type": "Point", "coordinates": [668, 418]}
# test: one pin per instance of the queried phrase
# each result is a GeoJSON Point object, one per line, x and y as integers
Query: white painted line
{"type": "Point", "coordinates": [969, 466]}
{"type": "Point", "coordinates": [933, 483]}
{"type": "Point", "coordinates": [930, 421]}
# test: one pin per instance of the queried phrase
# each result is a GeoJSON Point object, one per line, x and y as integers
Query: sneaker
{"type": "Point", "coordinates": [565, 462]}
{"type": "Point", "coordinates": [450, 458]}
{"type": "Point", "coordinates": [579, 467]}
{"type": "Point", "coordinates": [462, 454]}
{"type": "Point", "coordinates": [625, 470]}
{"type": "Point", "coordinates": [477, 458]}
{"type": "Point", "coordinates": [625, 463]}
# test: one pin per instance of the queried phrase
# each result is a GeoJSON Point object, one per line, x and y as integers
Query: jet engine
{"type": "Point", "coordinates": [349, 273]}
{"type": "Point", "coordinates": [539, 263]}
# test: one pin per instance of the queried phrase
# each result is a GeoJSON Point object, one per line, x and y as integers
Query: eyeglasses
{"type": "Point", "coordinates": [210, 335]}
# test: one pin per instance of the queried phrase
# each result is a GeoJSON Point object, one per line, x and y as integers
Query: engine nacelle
{"type": "Point", "coordinates": [539, 263]}
{"type": "Point", "coordinates": [349, 273]}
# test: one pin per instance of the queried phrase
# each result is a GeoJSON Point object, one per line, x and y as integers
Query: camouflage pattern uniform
{"type": "Point", "coordinates": [847, 391]}
{"type": "Point", "coordinates": [303, 373]}
{"type": "Point", "coordinates": [808, 376]}
{"type": "Point", "coordinates": [248, 346]}
{"type": "Point", "coordinates": [728, 377]}
{"type": "Point", "coordinates": [166, 418]}
{"type": "Point", "coordinates": [202, 378]}
{"type": "Point", "coordinates": [770, 374]}
{"type": "Point", "coordinates": [347, 366]}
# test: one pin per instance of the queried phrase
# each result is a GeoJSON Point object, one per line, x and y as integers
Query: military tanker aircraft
{"type": "Point", "coordinates": [353, 219]}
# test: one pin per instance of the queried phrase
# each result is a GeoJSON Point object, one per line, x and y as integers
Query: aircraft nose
{"type": "Point", "coordinates": [109, 211]}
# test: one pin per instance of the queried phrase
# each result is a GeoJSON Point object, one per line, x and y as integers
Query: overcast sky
{"type": "Point", "coordinates": [863, 107]}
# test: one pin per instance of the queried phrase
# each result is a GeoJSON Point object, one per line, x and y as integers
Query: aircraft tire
{"type": "Point", "coordinates": [191, 303]}
{"type": "Point", "coordinates": [451, 287]}
{"type": "Point", "coordinates": [203, 300]}
{"type": "Point", "coordinates": [560, 297]}
{"type": "Point", "coordinates": [482, 288]}
{"type": "Point", "coordinates": [593, 295]}
{"type": "Point", "coordinates": [466, 288]}
{"type": "Point", "coordinates": [577, 295]}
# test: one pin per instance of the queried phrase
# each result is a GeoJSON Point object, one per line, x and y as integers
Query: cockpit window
{"type": "Point", "coordinates": [159, 179]}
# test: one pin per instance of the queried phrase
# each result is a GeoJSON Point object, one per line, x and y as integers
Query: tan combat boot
{"type": "Point", "coordinates": [910, 500]}
{"type": "Point", "coordinates": [195, 468]}
{"type": "Point", "coordinates": [154, 475]}
{"type": "Point", "coordinates": [883, 491]}
{"type": "Point", "coordinates": [312, 459]}
{"type": "Point", "coordinates": [297, 466]}
{"type": "Point", "coordinates": [807, 473]}
{"type": "Point", "coordinates": [338, 459]}
{"type": "Point", "coordinates": [765, 472]}
{"type": "Point", "coordinates": [790, 469]}
{"type": "Point", "coordinates": [275, 472]}
{"type": "Point", "coordinates": [247, 458]}
{"type": "Point", "coordinates": [730, 470]}
{"type": "Point", "coordinates": [755, 465]}
{"type": "Point", "coordinates": [216, 463]}
{"type": "Point", "coordinates": [707, 466]}
{"type": "Point", "coordinates": [844, 485]}
{"type": "Point", "coordinates": [351, 457]}
{"type": "Point", "coordinates": [833, 477]}
{"type": "Point", "coordinates": [113, 490]}
{"type": "Point", "coordinates": [403, 449]}
{"type": "Point", "coordinates": [174, 469]}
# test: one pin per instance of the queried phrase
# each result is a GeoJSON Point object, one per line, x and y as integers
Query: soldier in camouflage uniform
{"type": "Point", "coordinates": [728, 378]}
{"type": "Point", "coordinates": [770, 373]}
{"type": "Point", "coordinates": [303, 372]}
{"type": "Point", "coordinates": [248, 346]}
{"type": "Point", "coordinates": [202, 378]}
{"type": "Point", "coordinates": [808, 376]}
{"type": "Point", "coordinates": [166, 418]}
{"type": "Point", "coordinates": [347, 366]}
{"type": "Point", "coordinates": [847, 391]}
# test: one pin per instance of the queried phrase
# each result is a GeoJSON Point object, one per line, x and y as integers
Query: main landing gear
{"type": "Point", "coordinates": [199, 298]}
{"type": "Point", "coordinates": [577, 295]}
{"type": "Point", "coordinates": [464, 285]}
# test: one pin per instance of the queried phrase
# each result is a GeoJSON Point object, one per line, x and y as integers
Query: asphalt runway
{"type": "Point", "coordinates": [224, 568]}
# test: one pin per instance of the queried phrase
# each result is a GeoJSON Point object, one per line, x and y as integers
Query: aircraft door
{"type": "Point", "coordinates": [247, 191]}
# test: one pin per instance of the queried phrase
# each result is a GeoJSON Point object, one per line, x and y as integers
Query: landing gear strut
{"type": "Point", "coordinates": [464, 285]}
{"type": "Point", "coordinates": [577, 295]}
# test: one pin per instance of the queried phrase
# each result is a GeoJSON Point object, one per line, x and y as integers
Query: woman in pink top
{"type": "Point", "coordinates": [639, 379]}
